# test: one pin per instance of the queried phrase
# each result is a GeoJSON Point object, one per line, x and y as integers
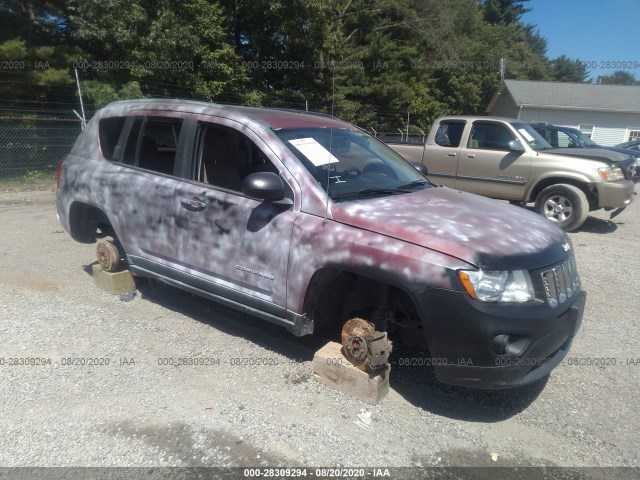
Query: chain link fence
{"type": "Point", "coordinates": [31, 147]}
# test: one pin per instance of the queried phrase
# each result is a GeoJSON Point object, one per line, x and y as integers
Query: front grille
{"type": "Point", "coordinates": [561, 282]}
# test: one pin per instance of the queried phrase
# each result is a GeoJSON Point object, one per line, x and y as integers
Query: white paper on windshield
{"type": "Point", "coordinates": [526, 135]}
{"type": "Point", "coordinates": [315, 152]}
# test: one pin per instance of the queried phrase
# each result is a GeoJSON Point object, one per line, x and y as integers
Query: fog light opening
{"type": "Point", "coordinates": [510, 345]}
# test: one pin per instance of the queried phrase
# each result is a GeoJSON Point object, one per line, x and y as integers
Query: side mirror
{"type": "Point", "coordinates": [263, 186]}
{"type": "Point", "coordinates": [421, 167]}
{"type": "Point", "coordinates": [516, 146]}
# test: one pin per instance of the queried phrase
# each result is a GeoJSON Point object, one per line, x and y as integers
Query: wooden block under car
{"type": "Point", "coordinates": [332, 368]}
{"type": "Point", "coordinates": [115, 283]}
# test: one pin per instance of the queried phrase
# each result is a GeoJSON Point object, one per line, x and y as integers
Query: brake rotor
{"type": "Point", "coordinates": [365, 348]}
{"type": "Point", "coordinates": [108, 255]}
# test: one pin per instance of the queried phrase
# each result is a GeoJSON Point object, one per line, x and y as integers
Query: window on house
{"type": "Point", "coordinates": [586, 129]}
{"type": "Point", "coordinates": [633, 135]}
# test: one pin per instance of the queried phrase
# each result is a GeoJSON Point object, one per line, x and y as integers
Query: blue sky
{"type": "Point", "coordinates": [595, 31]}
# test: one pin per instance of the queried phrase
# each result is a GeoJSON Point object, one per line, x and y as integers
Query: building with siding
{"type": "Point", "coordinates": [609, 114]}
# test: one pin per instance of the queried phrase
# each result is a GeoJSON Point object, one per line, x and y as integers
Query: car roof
{"type": "Point", "coordinates": [473, 118]}
{"type": "Point", "coordinates": [273, 118]}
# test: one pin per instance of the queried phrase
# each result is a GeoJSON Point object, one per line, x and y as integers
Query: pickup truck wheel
{"type": "Point", "coordinates": [565, 205]}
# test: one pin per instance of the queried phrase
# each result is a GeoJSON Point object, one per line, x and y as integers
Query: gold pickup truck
{"type": "Point", "coordinates": [507, 159]}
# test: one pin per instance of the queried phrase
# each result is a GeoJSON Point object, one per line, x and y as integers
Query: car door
{"type": "Point", "coordinates": [141, 187]}
{"type": "Point", "coordinates": [488, 166]}
{"type": "Point", "coordinates": [442, 158]}
{"type": "Point", "coordinates": [227, 243]}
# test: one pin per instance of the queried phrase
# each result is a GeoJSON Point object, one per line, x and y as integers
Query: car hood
{"type": "Point", "coordinates": [486, 233]}
{"type": "Point", "coordinates": [603, 154]}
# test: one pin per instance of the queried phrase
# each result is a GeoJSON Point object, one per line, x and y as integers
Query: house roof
{"type": "Point", "coordinates": [571, 96]}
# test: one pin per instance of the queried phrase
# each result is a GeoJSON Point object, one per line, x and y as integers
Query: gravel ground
{"type": "Point", "coordinates": [136, 412]}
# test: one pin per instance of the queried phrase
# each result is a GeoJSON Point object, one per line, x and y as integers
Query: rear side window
{"type": "Point", "coordinates": [449, 133]}
{"type": "Point", "coordinates": [110, 129]}
{"type": "Point", "coordinates": [131, 149]}
{"type": "Point", "coordinates": [153, 143]}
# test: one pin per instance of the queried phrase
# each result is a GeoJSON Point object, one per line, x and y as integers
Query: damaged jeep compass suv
{"type": "Point", "coordinates": [307, 221]}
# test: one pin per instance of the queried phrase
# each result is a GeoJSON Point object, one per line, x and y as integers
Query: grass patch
{"type": "Point", "coordinates": [30, 181]}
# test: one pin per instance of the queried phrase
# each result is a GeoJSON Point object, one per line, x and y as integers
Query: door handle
{"type": "Point", "coordinates": [193, 203]}
{"type": "Point", "coordinates": [470, 155]}
{"type": "Point", "coordinates": [451, 154]}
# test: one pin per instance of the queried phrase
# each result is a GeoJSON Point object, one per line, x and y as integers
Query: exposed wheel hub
{"type": "Point", "coordinates": [108, 255]}
{"type": "Point", "coordinates": [365, 348]}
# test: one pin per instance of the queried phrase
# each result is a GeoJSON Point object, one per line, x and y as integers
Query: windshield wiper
{"type": "Point", "coordinates": [415, 183]}
{"type": "Point", "coordinates": [371, 191]}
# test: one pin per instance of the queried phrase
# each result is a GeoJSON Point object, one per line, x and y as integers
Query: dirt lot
{"type": "Point", "coordinates": [137, 411]}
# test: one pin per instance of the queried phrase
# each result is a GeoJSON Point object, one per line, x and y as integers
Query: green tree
{"type": "Point", "coordinates": [619, 77]}
{"type": "Point", "coordinates": [160, 48]}
{"type": "Point", "coordinates": [564, 69]}
{"type": "Point", "coordinates": [33, 45]}
{"type": "Point", "coordinates": [503, 11]}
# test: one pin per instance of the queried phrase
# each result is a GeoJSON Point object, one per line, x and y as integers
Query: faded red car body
{"type": "Point", "coordinates": [278, 260]}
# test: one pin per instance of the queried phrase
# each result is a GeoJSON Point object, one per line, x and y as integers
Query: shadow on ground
{"type": "Point", "coordinates": [599, 225]}
{"type": "Point", "coordinates": [417, 385]}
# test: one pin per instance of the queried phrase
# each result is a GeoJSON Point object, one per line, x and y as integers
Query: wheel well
{"type": "Point", "coordinates": [334, 296]}
{"type": "Point", "coordinates": [86, 223]}
{"type": "Point", "coordinates": [588, 189]}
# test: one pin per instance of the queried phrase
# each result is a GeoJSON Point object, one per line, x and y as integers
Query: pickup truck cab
{"type": "Point", "coordinates": [507, 159]}
{"type": "Point", "coordinates": [307, 222]}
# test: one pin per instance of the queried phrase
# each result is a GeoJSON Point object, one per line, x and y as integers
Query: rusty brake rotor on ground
{"type": "Point", "coordinates": [365, 348]}
{"type": "Point", "coordinates": [108, 255]}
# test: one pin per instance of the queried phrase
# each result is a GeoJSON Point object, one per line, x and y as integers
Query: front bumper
{"type": "Point", "coordinates": [460, 334]}
{"type": "Point", "coordinates": [616, 194]}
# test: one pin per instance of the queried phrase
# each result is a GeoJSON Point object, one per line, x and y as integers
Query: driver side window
{"type": "Point", "coordinates": [490, 136]}
{"type": "Point", "coordinates": [225, 157]}
{"type": "Point", "coordinates": [564, 140]}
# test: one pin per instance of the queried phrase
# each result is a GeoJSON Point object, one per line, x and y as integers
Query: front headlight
{"type": "Point", "coordinates": [611, 174]}
{"type": "Point", "coordinates": [514, 286]}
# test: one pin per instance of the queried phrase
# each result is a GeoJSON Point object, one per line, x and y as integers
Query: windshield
{"type": "Point", "coordinates": [584, 140]}
{"type": "Point", "coordinates": [350, 163]}
{"type": "Point", "coordinates": [533, 138]}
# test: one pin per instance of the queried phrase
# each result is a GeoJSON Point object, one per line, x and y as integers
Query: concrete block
{"type": "Point", "coordinates": [115, 283]}
{"type": "Point", "coordinates": [332, 368]}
